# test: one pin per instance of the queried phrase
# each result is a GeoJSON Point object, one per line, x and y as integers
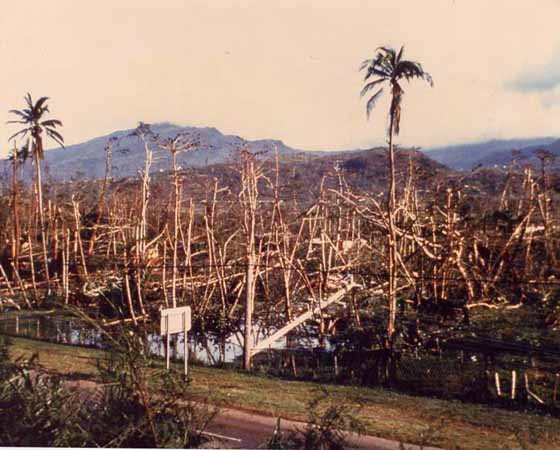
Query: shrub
{"type": "Point", "coordinates": [326, 428]}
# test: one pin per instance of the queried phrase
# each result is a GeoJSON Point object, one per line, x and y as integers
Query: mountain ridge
{"type": "Point", "coordinates": [87, 159]}
{"type": "Point", "coordinates": [490, 153]}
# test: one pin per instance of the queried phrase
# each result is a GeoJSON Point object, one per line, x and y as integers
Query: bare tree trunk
{"type": "Point", "coordinates": [42, 217]}
{"type": "Point", "coordinates": [101, 202]}
{"type": "Point", "coordinates": [78, 235]}
{"type": "Point", "coordinates": [249, 195]}
{"type": "Point", "coordinates": [15, 209]}
{"type": "Point", "coordinates": [32, 269]}
{"type": "Point", "coordinates": [249, 305]}
{"type": "Point", "coordinates": [164, 272]}
{"type": "Point", "coordinates": [391, 241]}
{"type": "Point", "coordinates": [177, 204]}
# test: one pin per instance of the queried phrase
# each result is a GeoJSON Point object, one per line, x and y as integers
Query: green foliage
{"type": "Point", "coordinates": [135, 407]}
{"type": "Point", "coordinates": [326, 428]}
{"type": "Point", "coordinates": [388, 67]}
{"type": "Point", "coordinates": [36, 409]}
{"type": "Point", "coordinates": [127, 418]}
{"type": "Point", "coordinates": [152, 402]}
{"type": "Point", "coordinates": [445, 377]}
{"type": "Point", "coordinates": [34, 125]}
{"type": "Point", "coordinates": [432, 433]}
{"type": "Point", "coordinates": [6, 367]}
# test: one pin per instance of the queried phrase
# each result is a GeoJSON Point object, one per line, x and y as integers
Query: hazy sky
{"type": "Point", "coordinates": [284, 69]}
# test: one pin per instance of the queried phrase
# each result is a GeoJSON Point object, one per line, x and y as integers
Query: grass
{"type": "Point", "coordinates": [447, 424]}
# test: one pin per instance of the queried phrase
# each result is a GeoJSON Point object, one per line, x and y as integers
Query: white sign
{"type": "Point", "coordinates": [175, 320]}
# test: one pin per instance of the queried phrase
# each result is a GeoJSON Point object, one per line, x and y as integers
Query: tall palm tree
{"type": "Point", "coordinates": [32, 118]}
{"type": "Point", "coordinates": [388, 67]}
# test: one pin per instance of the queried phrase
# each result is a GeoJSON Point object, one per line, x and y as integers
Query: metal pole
{"type": "Point", "coordinates": [186, 355]}
{"type": "Point", "coordinates": [167, 342]}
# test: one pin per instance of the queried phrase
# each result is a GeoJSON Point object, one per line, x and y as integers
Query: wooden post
{"type": "Point", "coordinates": [531, 394]}
{"type": "Point", "coordinates": [513, 383]}
{"type": "Point", "coordinates": [498, 387]}
{"type": "Point", "coordinates": [335, 365]}
{"type": "Point", "coordinates": [527, 386]}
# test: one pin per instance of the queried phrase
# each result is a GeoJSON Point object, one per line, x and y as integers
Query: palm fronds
{"type": "Point", "coordinates": [32, 117]}
{"type": "Point", "coordinates": [388, 65]}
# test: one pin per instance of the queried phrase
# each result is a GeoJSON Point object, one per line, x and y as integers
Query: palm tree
{"type": "Point", "coordinates": [389, 67]}
{"type": "Point", "coordinates": [32, 117]}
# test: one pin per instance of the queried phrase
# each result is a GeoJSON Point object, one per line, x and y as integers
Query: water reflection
{"type": "Point", "coordinates": [61, 330]}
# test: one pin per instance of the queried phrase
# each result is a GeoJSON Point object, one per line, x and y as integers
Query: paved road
{"type": "Point", "coordinates": [232, 428]}
{"type": "Point", "coordinates": [236, 429]}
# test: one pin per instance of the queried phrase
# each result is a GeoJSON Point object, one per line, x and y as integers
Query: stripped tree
{"type": "Point", "coordinates": [388, 67]}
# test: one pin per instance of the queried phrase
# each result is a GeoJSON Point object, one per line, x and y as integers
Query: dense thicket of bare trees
{"type": "Point", "coordinates": [257, 251]}
{"type": "Point", "coordinates": [249, 256]}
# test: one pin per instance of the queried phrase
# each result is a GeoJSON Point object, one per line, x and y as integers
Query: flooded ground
{"type": "Point", "coordinates": [67, 330]}
{"type": "Point", "coordinates": [70, 331]}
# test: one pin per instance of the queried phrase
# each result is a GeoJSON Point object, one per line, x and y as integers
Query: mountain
{"type": "Point", "coordinates": [488, 153]}
{"type": "Point", "coordinates": [87, 160]}
{"type": "Point", "coordinates": [526, 155]}
{"type": "Point", "coordinates": [365, 171]}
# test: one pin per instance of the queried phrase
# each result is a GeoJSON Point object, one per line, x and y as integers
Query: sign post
{"type": "Point", "coordinates": [175, 321]}
{"type": "Point", "coordinates": [186, 352]}
{"type": "Point", "coordinates": [167, 335]}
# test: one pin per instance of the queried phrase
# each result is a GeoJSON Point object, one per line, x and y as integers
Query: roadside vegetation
{"type": "Point", "coordinates": [41, 406]}
{"type": "Point", "coordinates": [382, 412]}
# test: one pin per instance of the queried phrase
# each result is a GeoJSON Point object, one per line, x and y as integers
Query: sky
{"type": "Point", "coordinates": [286, 70]}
